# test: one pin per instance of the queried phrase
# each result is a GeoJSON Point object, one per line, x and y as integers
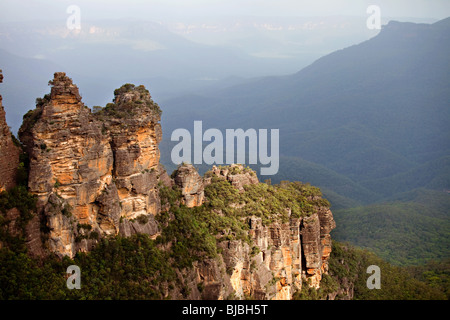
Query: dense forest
{"type": "Point", "coordinates": [348, 267]}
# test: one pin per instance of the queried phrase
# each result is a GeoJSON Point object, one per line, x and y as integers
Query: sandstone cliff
{"type": "Point", "coordinates": [191, 184]}
{"type": "Point", "coordinates": [284, 251]}
{"type": "Point", "coordinates": [98, 171]}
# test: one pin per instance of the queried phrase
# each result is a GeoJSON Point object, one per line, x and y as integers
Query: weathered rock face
{"type": "Point", "coordinates": [191, 185]}
{"type": "Point", "coordinates": [274, 271]}
{"type": "Point", "coordinates": [283, 254]}
{"type": "Point", "coordinates": [9, 153]}
{"type": "Point", "coordinates": [135, 135]}
{"type": "Point", "coordinates": [97, 170]}
{"type": "Point", "coordinates": [286, 253]}
{"type": "Point", "coordinates": [71, 164]}
{"type": "Point", "coordinates": [316, 244]}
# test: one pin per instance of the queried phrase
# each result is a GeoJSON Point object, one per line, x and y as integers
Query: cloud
{"type": "Point", "coordinates": [11, 10]}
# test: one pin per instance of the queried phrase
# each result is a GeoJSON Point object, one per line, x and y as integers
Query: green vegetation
{"type": "Point", "coordinates": [435, 273]}
{"type": "Point", "coordinates": [188, 234]}
{"type": "Point", "coordinates": [142, 219]}
{"type": "Point", "coordinates": [66, 210]}
{"type": "Point", "coordinates": [32, 116]}
{"type": "Point", "coordinates": [139, 268]}
{"type": "Point", "coordinates": [57, 184]}
{"type": "Point", "coordinates": [124, 110]}
{"type": "Point", "coordinates": [408, 232]}
{"type": "Point", "coordinates": [233, 170]}
{"type": "Point", "coordinates": [40, 102]}
{"type": "Point", "coordinates": [194, 232]}
{"type": "Point", "coordinates": [118, 268]}
{"type": "Point", "coordinates": [169, 196]}
{"type": "Point", "coordinates": [263, 200]}
{"type": "Point", "coordinates": [129, 87]}
{"type": "Point", "coordinates": [85, 226]}
{"type": "Point", "coordinates": [348, 267]}
{"type": "Point", "coordinates": [17, 197]}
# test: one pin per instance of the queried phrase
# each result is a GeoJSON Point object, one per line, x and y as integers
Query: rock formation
{"type": "Point", "coordinates": [286, 253]}
{"type": "Point", "coordinates": [283, 254]}
{"type": "Point", "coordinates": [9, 153]}
{"type": "Point", "coordinates": [191, 184]}
{"type": "Point", "coordinates": [99, 171]}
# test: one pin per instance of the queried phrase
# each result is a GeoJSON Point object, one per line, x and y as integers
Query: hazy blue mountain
{"type": "Point", "coordinates": [105, 54]}
{"type": "Point", "coordinates": [369, 124]}
{"type": "Point", "coordinates": [369, 112]}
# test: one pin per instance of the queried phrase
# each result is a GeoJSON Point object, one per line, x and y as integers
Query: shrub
{"type": "Point", "coordinates": [67, 210]}
{"type": "Point", "coordinates": [85, 226]}
{"type": "Point", "coordinates": [142, 219]}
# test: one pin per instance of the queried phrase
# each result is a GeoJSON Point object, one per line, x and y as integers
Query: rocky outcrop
{"type": "Point", "coordinates": [9, 163]}
{"type": "Point", "coordinates": [273, 269]}
{"type": "Point", "coordinates": [95, 170]}
{"type": "Point", "coordinates": [284, 254]}
{"type": "Point", "coordinates": [71, 164]}
{"type": "Point", "coordinates": [132, 123]}
{"type": "Point", "coordinates": [191, 184]}
{"type": "Point", "coordinates": [281, 257]}
{"type": "Point", "coordinates": [9, 153]}
{"type": "Point", "coordinates": [269, 270]}
{"type": "Point", "coordinates": [316, 244]}
{"type": "Point", "coordinates": [236, 174]}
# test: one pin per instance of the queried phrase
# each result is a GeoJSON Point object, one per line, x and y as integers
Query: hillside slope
{"type": "Point", "coordinates": [372, 117]}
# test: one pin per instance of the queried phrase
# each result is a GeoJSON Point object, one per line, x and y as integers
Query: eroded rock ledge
{"type": "Point", "coordinates": [285, 252]}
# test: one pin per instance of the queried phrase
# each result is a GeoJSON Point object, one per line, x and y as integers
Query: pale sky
{"type": "Point", "coordinates": [13, 10]}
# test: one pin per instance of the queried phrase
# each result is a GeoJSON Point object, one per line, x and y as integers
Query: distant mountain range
{"type": "Point", "coordinates": [369, 112]}
{"type": "Point", "coordinates": [169, 58]}
{"type": "Point", "coordinates": [366, 123]}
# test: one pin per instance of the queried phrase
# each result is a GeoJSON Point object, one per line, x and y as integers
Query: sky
{"type": "Point", "coordinates": [23, 10]}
